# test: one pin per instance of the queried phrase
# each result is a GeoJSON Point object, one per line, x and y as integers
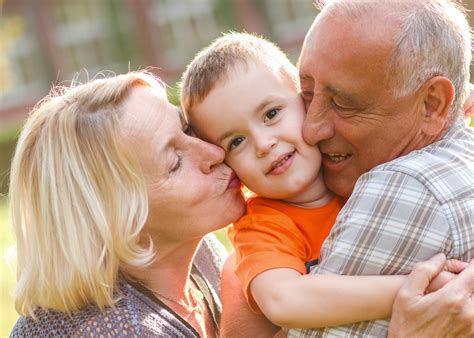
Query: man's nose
{"type": "Point", "coordinates": [317, 126]}
{"type": "Point", "coordinates": [209, 155]}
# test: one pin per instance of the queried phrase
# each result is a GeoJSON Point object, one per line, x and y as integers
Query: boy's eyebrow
{"type": "Point", "coordinates": [224, 136]}
{"type": "Point", "coordinates": [265, 102]}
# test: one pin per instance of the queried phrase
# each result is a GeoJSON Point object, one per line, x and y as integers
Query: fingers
{"type": "Point", "coordinates": [448, 312]}
{"type": "Point", "coordinates": [465, 280]}
{"type": "Point", "coordinates": [469, 104]}
{"type": "Point", "coordinates": [422, 274]}
{"type": "Point", "coordinates": [455, 266]}
{"type": "Point", "coordinates": [469, 111]}
{"type": "Point", "coordinates": [439, 281]}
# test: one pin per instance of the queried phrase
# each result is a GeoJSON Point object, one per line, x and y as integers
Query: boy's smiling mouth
{"type": "Point", "coordinates": [281, 164]}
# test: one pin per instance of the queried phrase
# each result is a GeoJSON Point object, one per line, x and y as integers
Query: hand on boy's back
{"type": "Point", "coordinates": [469, 105]}
{"type": "Point", "coordinates": [451, 270]}
{"type": "Point", "coordinates": [447, 312]}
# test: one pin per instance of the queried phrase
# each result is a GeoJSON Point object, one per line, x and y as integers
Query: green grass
{"type": "Point", "coordinates": [8, 315]}
{"type": "Point", "coordinates": [222, 236]}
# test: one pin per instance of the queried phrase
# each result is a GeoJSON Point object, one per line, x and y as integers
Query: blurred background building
{"type": "Point", "coordinates": [49, 42]}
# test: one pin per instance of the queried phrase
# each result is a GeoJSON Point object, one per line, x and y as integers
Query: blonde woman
{"type": "Point", "coordinates": [110, 202]}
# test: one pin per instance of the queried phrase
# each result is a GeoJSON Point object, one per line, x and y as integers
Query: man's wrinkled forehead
{"type": "Point", "coordinates": [376, 24]}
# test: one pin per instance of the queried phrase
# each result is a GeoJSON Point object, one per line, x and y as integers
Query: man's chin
{"type": "Point", "coordinates": [339, 185]}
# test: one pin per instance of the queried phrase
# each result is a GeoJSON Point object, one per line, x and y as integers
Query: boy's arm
{"type": "Point", "coordinates": [289, 299]}
{"type": "Point", "coordinates": [237, 319]}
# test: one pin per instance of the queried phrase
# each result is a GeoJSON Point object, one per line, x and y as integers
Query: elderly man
{"type": "Point", "coordinates": [383, 83]}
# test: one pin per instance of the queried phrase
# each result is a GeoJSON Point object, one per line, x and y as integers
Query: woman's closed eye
{"type": "Point", "coordinates": [271, 114]}
{"type": "Point", "coordinates": [235, 142]}
{"type": "Point", "coordinates": [177, 165]}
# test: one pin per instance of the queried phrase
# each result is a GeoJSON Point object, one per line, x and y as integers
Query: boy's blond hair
{"type": "Point", "coordinates": [78, 199]}
{"type": "Point", "coordinates": [213, 63]}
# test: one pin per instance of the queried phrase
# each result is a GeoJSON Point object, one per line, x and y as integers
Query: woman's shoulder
{"type": "Point", "coordinates": [211, 253]}
{"type": "Point", "coordinates": [90, 321]}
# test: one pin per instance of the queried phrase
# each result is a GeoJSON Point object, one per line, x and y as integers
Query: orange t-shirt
{"type": "Point", "coordinates": [273, 234]}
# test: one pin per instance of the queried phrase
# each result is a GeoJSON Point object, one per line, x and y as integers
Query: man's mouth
{"type": "Point", "coordinates": [336, 161]}
{"type": "Point", "coordinates": [337, 157]}
{"type": "Point", "coordinates": [281, 164]}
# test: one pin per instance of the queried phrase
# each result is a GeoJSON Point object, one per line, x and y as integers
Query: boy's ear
{"type": "Point", "coordinates": [438, 98]}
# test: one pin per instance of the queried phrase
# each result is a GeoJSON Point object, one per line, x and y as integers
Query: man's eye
{"type": "Point", "coordinates": [236, 142]}
{"type": "Point", "coordinates": [270, 115]}
{"type": "Point", "coordinates": [177, 164]}
{"type": "Point", "coordinates": [339, 107]}
{"type": "Point", "coordinates": [307, 96]}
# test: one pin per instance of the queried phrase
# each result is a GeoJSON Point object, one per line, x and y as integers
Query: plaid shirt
{"type": "Point", "coordinates": [400, 213]}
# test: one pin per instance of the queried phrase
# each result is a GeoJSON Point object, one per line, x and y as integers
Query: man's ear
{"type": "Point", "coordinates": [438, 94]}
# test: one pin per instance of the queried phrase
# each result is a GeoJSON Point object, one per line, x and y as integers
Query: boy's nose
{"type": "Point", "coordinates": [265, 145]}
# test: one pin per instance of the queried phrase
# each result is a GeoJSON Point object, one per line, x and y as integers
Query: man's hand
{"type": "Point", "coordinates": [451, 269]}
{"type": "Point", "coordinates": [469, 105]}
{"type": "Point", "coordinates": [448, 312]}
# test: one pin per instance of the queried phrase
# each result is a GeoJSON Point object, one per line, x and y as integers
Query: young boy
{"type": "Point", "coordinates": [242, 93]}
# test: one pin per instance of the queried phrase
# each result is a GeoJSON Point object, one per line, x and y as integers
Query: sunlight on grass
{"type": "Point", "coordinates": [222, 236]}
{"type": "Point", "coordinates": [7, 274]}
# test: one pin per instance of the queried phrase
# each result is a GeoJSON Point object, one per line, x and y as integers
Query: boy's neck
{"type": "Point", "coordinates": [315, 195]}
{"type": "Point", "coordinates": [314, 203]}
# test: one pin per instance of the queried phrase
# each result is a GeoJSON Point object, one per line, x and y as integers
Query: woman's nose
{"type": "Point", "coordinates": [209, 155]}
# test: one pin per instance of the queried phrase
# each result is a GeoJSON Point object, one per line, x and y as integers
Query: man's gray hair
{"type": "Point", "coordinates": [434, 40]}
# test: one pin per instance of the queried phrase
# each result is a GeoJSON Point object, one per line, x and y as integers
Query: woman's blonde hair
{"type": "Point", "coordinates": [77, 197]}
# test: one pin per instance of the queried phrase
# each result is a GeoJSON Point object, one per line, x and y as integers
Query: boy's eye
{"type": "Point", "coordinates": [270, 115]}
{"type": "Point", "coordinates": [236, 142]}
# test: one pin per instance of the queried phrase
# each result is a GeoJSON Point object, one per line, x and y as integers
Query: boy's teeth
{"type": "Point", "coordinates": [338, 157]}
{"type": "Point", "coordinates": [281, 162]}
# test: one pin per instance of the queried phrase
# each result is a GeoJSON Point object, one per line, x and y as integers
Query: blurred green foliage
{"type": "Point", "coordinates": [7, 275]}
{"type": "Point", "coordinates": [8, 137]}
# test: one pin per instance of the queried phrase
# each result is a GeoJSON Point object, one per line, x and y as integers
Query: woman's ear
{"type": "Point", "coordinates": [438, 98]}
